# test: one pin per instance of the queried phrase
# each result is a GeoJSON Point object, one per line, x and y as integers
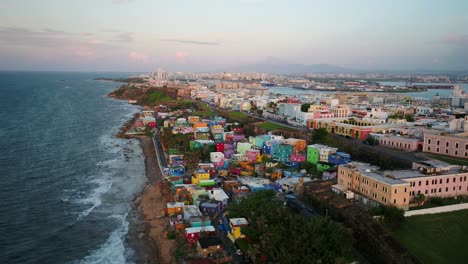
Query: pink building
{"type": "Point", "coordinates": [402, 143]}
{"type": "Point", "coordinates": [451, 145]}
{"type": "Point", "coordinates": [252, 154]}
{"type": "Point", "coordinates": [298, 157]}
{"type": "Point", "coordinates": [438, 180]}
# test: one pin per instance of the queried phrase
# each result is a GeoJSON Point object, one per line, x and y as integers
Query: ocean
{"type": "Point", "coordinates": [429, 94]}
{"type": "Point", "coordinates": [67, 183]}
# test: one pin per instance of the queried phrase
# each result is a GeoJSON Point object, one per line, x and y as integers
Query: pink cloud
{"type": "Point", "coordinates": [455, 39]}
{"type": "Point", "coordinates": [134, 56]}
{"type": "Point", "coordinates": [181, 57]}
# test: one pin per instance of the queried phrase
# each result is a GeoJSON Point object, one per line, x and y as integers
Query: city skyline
{"type": "Point", "coordinates": [218, 35]}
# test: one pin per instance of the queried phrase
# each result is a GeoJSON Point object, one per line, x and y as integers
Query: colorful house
{"type": "Point", "coordinates": [192, 234]}
{"type": "Point", "coordinates": [298, 144]}
{"type": "Point", "coordinates": [199, 176]}
{"type": "Point", "coordinates": [174, 208]}
{"type": "Point", "coordinates": [211, 208]}
{"type": "Point", "coordinates": [339, 158]}
{"type": "Point", "coordinates": [283, 152]}
{"type": "Point", "coordinates": [242, 147]}
{"type": "Point", "coordinates": [236, 224]}
{"type": "Point", "coordinates": [252, 154]}
{"type": "Point", "coordinates": [319, 152]}
{"type": "Point", "coordinates": [216, 156]}
{"type": "Point", "coordinates": [207, 246]}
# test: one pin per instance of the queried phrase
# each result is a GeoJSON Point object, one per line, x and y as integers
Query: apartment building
{"type": "Point", "coordinates": [455, 145]}
{"type": "Point", "coordinates": [400, 187]}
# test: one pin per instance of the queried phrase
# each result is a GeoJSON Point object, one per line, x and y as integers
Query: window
{"type": "Point", "coordinates": [446, 189]}
{"type": "Point", "coordinates": [440, 181]}
{"type": "Point", "coordinates": [447, 144]}
{"type": "Point", "coordinates": [429, 141]}
{"type": "Point", "coordinates": [419, 192]}
{"type": "Point", "coordinates": [395, 190]}
{"type": "Point", "coordinates": [464, 178]}
{"type": "Point", "coordinates": [404, 200]}
{"type": "Point", "coordinates": [454, 180]}
{"type": "Point", "coordinates": [456, 152]}
{"type": "Point", "coordinates": [447, 180]}
{"type": "Point", "coordinates": [446, 151]}
{"type": "Point", "coordinates": [459, 188]}
{"type": "Point", "coordinates": [405, 189]}
{"type": "Point", "coordinates": [419, 183]}
{"type": "Point", "coordinates": [440, 189]}
{"type": "Point", "coordinates": [425, 192]}
{"type": "Point", "coordinates": [437, 150]}
{"type": "Point", "coordinates": [394, 201]}
{"type": "Point", "coordinates": [438, 142]}
{"type": "Point", "coordinates": [427, 182]}
{"type": "Point", "coordinates": [456, 145]}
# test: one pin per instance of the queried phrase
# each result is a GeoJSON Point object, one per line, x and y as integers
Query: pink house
{"type": "Point", "coordinates": [252, 154]}
{"type": "Point", "coordinates": [298, 157]}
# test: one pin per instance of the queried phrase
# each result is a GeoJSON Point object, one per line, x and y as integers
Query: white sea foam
{"type": "Point", "coordinates": [113, 250]}
{"type": "Point", "coordinates": [95, 197]}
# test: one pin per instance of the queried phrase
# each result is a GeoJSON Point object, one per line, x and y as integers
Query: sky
{"type": "Point", "coordinates": [215, 35]}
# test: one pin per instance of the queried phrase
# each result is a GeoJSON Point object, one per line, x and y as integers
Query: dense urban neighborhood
{"type": "Point", "coordinates": [242, 168]}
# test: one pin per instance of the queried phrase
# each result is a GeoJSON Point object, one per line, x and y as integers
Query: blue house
{"type": "Point", "coordinates": [339, 158]}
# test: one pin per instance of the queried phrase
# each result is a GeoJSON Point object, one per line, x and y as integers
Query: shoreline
{"type": "Point", "coordinates": [147, 223]}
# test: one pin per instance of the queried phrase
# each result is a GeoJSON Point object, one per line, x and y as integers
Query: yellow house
{"type": "Point", "coordinates": [199, 176]}
{"type": "Point", "coordinates": [175, 208]}
{"type": "Point", "coordinates": [236, 224]}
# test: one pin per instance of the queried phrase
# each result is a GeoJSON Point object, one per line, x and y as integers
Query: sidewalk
{"type": "Point", "coordinates": [436, 210]}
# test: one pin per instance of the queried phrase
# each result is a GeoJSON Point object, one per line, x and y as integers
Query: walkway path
{"type": "Point", "coordinates": [436, 210]}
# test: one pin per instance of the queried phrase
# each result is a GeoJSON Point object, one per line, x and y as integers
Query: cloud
{"type": "Point", "coordinates": [195, 42]}
{"type": "Point", "coordinates": [182, 57]}
{"type": "Point", "coordinates": [122, 1]}
{"type": "Point", "coordinates": [136, 57]}
{"type": "Point", "coordinates": [124, 37]}
{"type": "Point", "coordinates": [455, 39]}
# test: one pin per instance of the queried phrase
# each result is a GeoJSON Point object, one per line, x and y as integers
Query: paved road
{"type": "Point", "coordinates": [437, 210]}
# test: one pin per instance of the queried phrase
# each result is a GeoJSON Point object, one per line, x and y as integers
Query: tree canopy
{"type": "Point", "coordinates": [281, 236]}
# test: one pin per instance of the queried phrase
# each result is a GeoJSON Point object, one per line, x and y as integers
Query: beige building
{"type": "Point", "coordinates": [371, 186]}
{"type": "Point", "coordinates": [400, 187]}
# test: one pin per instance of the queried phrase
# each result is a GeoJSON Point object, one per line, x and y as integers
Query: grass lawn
{"type": "Point", "coordinates": [156, 97]}
{"type": "Point", "coordinates": [436, 238]}
{"type": "Point", "coordinates": [270, 126]}
{"type": "Point", "coordinates": [448, 159]}
{"type": "Point", "coordinates": [238, 115]}
{"type": "Point", "coordinates": [205, 112]}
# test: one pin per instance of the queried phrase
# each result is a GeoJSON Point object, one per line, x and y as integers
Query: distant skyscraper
{"type": "Point", "coordinates": [458, 97]}
{"type": "Point", "coordinates": [162, 75]}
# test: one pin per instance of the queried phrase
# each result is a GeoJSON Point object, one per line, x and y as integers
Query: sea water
{"type": "Point", "coordinates": [66, 183]}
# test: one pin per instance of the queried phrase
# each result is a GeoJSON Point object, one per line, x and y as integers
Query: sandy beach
{"type": "Point", "coordinates": [149, 205]}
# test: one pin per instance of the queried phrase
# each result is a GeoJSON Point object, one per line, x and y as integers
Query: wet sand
{"type": "Point", "coordinates": [147, 233]}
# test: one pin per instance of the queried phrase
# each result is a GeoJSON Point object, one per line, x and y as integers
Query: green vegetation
{"type": "Point", "coordinates": [448, 159]}
{"type": "Point", "coordinates": [238, 115]}
{"type": "Point", "coordinates": [314, 240]}
{"type": "Point", "coordinates": [204, 110]}
{"type": "Point", "coordinates": [270, 126]}
{"type": "Point", "coordinates": [408, 117]}
{"type": "Point", "coordinates": [320, 135]}
{"type": "Point", "coordinates": [157, 97]}
{"type": "Point", "coordinates": [436, 238]}
{"type": "Point", "coordinates": [305, 107]}
{"type": "Point", "coordinates": [437, 201]}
